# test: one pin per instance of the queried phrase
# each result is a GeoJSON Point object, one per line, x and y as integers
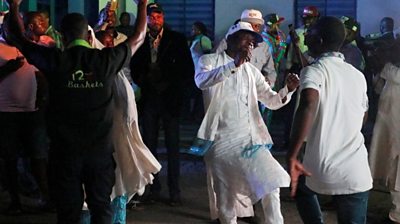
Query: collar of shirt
{"type": "Point", "coordinates": [330, 54]}
{"type": "Point", "coordinates": [155, 41]}
{"type": "Point", "coordinates": [79, 42]}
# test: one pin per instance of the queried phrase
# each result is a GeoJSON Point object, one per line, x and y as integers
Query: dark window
{"type": "Point", "coordinates": [181, 14]}
{"type": "Point", "coordinates": [336, 8]}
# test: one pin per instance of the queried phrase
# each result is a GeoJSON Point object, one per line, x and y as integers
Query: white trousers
{"type": "Point", "coordinates": [394, 213]}
{"type": "Point", "coordinates": [268, 209]}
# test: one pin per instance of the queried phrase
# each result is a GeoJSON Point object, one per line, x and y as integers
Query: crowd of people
{"type": "Point", "coordinates": [68, 104]}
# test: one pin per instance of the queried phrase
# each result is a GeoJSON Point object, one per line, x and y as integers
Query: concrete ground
{"type": "Point", "coordinates": [194, 197]}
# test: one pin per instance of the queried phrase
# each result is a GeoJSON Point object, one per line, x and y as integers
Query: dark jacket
{"type": "Point", "coordinates": [175, 72]}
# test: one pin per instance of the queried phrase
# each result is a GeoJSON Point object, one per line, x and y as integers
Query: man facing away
{"type": "Point", "coordinates": [240, 169]}
{"type": "Point", "coordinates": [79, 112]}
{"type": "Point", "coordinates": [332, 107]}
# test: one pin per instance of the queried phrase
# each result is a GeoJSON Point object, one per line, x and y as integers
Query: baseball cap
{"type": "Point", "coordinates": [350, 23]}
{"type": "Point", "coordinates": [252, 16]}
{"type": "Point", "coordinates": [244, 26]}
{"type": "Point", "coordinates": [310, 11]}
{"type": "Point", "coordinates": [154, 7]}
{"type": "Point", "coordinates": [273, 18]}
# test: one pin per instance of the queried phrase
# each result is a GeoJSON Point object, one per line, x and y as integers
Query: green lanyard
{"type": "Point", "coordinates": [79, 42]}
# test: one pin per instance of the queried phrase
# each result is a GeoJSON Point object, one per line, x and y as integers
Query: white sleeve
{"type": "Point", "coordinates": [271, 99]}
{"type": "Point", "coordinates": [207, 74]}
{"type": "Point", "coordinates": [311, 78]}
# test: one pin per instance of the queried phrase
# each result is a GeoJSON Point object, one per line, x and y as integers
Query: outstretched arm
{"type": "Point", "coordinates": [137, 39]}
{"type": "Point", "coordinates": [301, 127]}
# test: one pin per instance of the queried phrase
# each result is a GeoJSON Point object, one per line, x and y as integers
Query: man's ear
{"type": "Point", "coordinates": [89, 37]}
{"type": "Point", "coordinates": [30, 27]}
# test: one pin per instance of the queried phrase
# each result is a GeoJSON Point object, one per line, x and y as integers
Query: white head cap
{"type": "Point", "coordinates": [243, 26]}
{"type": "Point", "coordinates": [252, 16]}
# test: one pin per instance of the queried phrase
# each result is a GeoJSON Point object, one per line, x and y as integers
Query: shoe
{"type": "Point", "coordinates": [175, 201]}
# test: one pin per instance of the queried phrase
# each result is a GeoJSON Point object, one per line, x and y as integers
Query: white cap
{"type": "Point", "coordinates": [243, 26]}
{"type": "Point", "coordinates": [252, 16]}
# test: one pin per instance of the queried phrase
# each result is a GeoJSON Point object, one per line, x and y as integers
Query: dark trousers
{"type": "Point", "coordinates": [21, 133]}
{"type": "Point", "coordinates": [151, 117]}
{"type": "Point", "coordinates": [351, 208]}
{"type": "Point", "coordinates": [73, 174]}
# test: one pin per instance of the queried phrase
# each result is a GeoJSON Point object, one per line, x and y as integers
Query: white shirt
{"type": "Point", "coordinates": [18, 89]}
{"type": "Point", "coordinates": [219, 79]}
{"type": "Point", "coordinates": [335, 152]}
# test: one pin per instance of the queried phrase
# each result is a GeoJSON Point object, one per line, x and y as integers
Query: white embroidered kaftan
{"type": "Point", "coordinates": [240, 169]}
{"type": "Point", "coordinates": [385, 145]}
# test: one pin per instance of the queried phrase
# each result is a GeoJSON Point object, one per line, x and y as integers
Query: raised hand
{"type": "Point", "coordinates": [243, 56]}
{"type": "Point", "coordinates": [140, 1]}
{"type": "Point", "coordinates": [292, 82]}
{"type": "Point", "coordinates": [15, 64]}
{"type": "Point", "coordinates": [14, 2]}
{"type": "Point", "coordinates": [11, 66]}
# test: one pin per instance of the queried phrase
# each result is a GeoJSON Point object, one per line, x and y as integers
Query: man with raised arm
{"type": "Point", "coordinates": [79, 112]}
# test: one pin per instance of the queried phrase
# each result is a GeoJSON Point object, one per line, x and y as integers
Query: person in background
{"type": "Point", "coordinates": [17, 114]}
{"type": "Point", "coordinates": [275, 38]}
{"type": "Point", "coordinates": [386, 27]}
{"type": "Point", "coordinates": [293, 62]}
{"type": "Point", "coordinates": [351, 52]}
{"type": "Point", "coordinates": [240, 168]}
{"type": "Point", "coordinates": [125, 26]}
{"type": "Point", "coordinates": [260, 55]}
{"type": "Point", "coordinates": [51, 31]}
{"type": "Point", "coordinates": [335, 160]}
{"type": "Point", "coordinates": [23, 131]}
{"type": "Point", "coordinates": [385, 146]}
{"type": "Point", "coordinates": [105, 38]}
{"type": "Point", "coordinates": [107, 22]}
{"type": "Point", "coordinates": [297, 58]}
{"type": "Point", "coordinates": [200, 45]}
{"type": "Point", "coordinates": [80, 112]}
{"type": "Point", "coordinates": [35, 29]}
{"type": "Point", "coordinates": [162, 68]}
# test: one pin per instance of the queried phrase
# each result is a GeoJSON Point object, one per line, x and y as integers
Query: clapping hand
{"type": "Point", "coordinates": [292, 82]}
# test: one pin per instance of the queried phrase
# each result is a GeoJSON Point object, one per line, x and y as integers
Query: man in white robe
{"type": "Point", "coordinates": [240, 169]}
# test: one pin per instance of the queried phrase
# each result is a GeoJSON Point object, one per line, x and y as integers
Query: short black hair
{"type": "Point", "coordinates": [29, 17]}
{"type": "Point", "coordinates": [125, 14]}
{"type": "Point", "coordinates": [44, 13]}
{"type": "Point", "coordinates": [74, 25]}
{"type": "Point", "coordinates": [331, 31]}
{"type": "Point", "coordinates": [100, 34]}
{"type": "Point", "coordinates": [201, 26]}
{"type": "Point", "coordinates": [389, 23]}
